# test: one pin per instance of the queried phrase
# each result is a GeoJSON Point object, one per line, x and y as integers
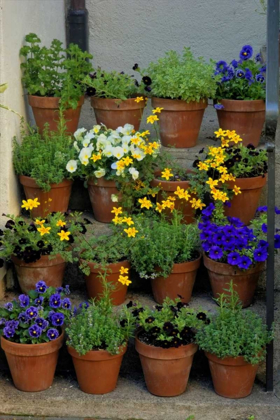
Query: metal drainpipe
{"type": "Point", "coordinates": [77, 24]}
{"type": "Point", "coordinates": [272, 110]}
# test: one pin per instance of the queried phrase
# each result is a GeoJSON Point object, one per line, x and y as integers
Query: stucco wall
{"type": "Point", "coordinates": [17, 18]}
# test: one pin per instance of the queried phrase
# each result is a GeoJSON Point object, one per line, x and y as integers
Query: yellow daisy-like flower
{"type": "Point", "coordinates": [64, 236]}
{"type": "Point", "coordinates": [124, 280]}
{"type": "Point", "coordinates": [124, 270]}
{"type": "Point", "coordinates": [131, 232]}
{"type": "Point", "coordinates": [220, 133]}
{"type": "Point", "coordinates": [39, 222]}
{"type": "Point", "coordinates": [139, 99]}
{"type": "Point", "coordinates": [117, 210]}
{"type": "Point", "coordinates": [202, 166]}
{"type": "Point", "coordinates": [159, 207]}
{"type": "Point", "coordinates": [231, 177]}
{"type": "Point", "coordinates": [128, 220]}
{"type": "Point", "coordinates": [212, 183]}
{"type": "Point", "coordinates": [152, 193]}
{"type": "Point", "coordinates": [171, 198]}
{"type": "Point", "coordinates": [61, 223]}
{"type": "Point", "coordinates": [222, 169]}
{"type": "Point", "coordinates": [145, 203]}
{"type": "Point", "coordinates": [236, 190]}
{"type": "Point", "coordinates": [186, 195]}
{"type": "Point", "coordinates": [166, 173]}
{"type": "Point", "coordinates": [169, 204]}
{"type": "Point", "coordinates": [225, 142]}
{"type": "Point", "coordinates": [127, 160]}
{"type": "Point", "coordinates": [117, 220]}
{"type": "Point", "coordinates": [197, 203]}
{"type": "Point", "coordinates": [135, 140]}
{"type": "Point", "coordinates": [152, 118]}
{"type": "Point", "coordinates": [148, 150]}
{"type": "Point", "coordinates": [157, 110]}
{"type": "Point", "coordinates": [180, 192]}
{"type": "Point", "coordinates": [145, 133]}
{"type": "Point", "coordinates": [95, 157]}
{"type": "Point", "coordinates": [224, 178]}
{"type": "Point", "coordinates": [44, 230]}
{"type": "Point", "coordinates": [30, 204]}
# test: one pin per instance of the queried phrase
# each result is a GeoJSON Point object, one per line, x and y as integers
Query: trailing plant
{"type": "Point", "coordinates": [36, 317]}
{"type": "Point", "coordinates": [243, 79]}
{"type": "Point", "coordinates": [95, 326]}
{"type": "Point", "coordinates": [54, 71]}
{"type": "Point", "coordinates": [3, 87]}
{"type": "Point", "coordinates": [234, 332]}
{"type": "Point", "coordinates": [44, 157]}
{"type": "Point", "coordinates": [171, 324]}
{"type": "Point", "coordinates": [178, 76]}
{"type": "Point", "coordinates": [28, 241]}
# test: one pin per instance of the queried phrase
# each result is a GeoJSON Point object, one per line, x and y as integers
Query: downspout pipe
{"type": "Point", "coordinates": [77, 24]}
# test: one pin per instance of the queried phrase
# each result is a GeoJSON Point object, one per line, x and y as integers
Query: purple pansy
{"type": "Point", "coordinates": [246, 52]}
{"type": "Point", "coordinates": [66, 303]}
{"type": "Point", "coordinates": [42, 323]}
{"type": "Point", "coordinates": [9, 306]}
{"type": "Point", "coordinates": [52, 334]}
{"type": "Point", "coordinates": [41, 286]}
{"type": "Point", "coordinates": [35, 331]}
{"type": "Point", "coordinates": [23, 301]}
{"type": "Point", "coordinates": [57, 319]}
{"type": "Point", "coordinates": [32, 312]}
{"type": "Point", "coordinates": [55, 300]}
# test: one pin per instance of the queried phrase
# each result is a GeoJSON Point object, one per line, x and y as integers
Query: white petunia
{"type": "Point", "coordinates": [84, 155]}
{"type": "Point", "coordinates": [99, 173]}
{"type": "Point", "coordinates": [108, 151]}
{"type": "Point", "coordinates": [96, 128]}
{"type": "Point", "coordinates": [134, 173]}
{"type": "Point", "coordinates": [102, 142]}
{"type": "Point", "coordinates": [71, 166]}
{"type": "Point", "coordinates": [126, 129]}
{"type": "Point", "coordinates": [88, 137]}
{"type": "Point", "coordinates": [126, 140]}
{"type": "Point", "coordinates": [79, 133]}
{"type": "Point", "coordinates": [114, 198]}
{"type": "Point", "coordinates": [118, 152]}
{"type": "Point", "coordinates": [75, 144]}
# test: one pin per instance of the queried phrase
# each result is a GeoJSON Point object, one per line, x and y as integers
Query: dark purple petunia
{"type": "Point", "coordinates": [215, 253]}
{"type": "Point", "coordinates": [233, 258]}
{"type": "Point", "coordinates": [235, 221]}
{"type": "Point", "coordinates": [246, 52]}
{"type": "Point", "coordinates": [57, 319]}
{"type": "Point", "coordinates": [227, 204]}
{"type": "Point", "coordinates": [261, 209]}
{"type": "Point", "coordinates": [260, 254]}
{"type": "Point", "coordinates": [52, 334]}
{"type": "Point", "coordinates": [206, 246]}
{"type": "Point", "coordinates": [41, 286]}
{"type": "Point", "coordinates": [23, 301]}
{"type": "Point", "coordinates": [35, 331]}
{"type": "Point", "coordinates": [264, 228]}
{"type": "Point", "coordinates": [244, 262]}
{"type": "Point", "coordinates": [42, 323]}
{"type": "Point", "coordinates": [32, 312]}
{"type": "Point", "coordinates": [277, 241]}
{"type": "Point", "coordinates": [55, 301]}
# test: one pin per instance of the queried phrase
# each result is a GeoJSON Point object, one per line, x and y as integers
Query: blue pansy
{"type": "Point", "coordinates": [55, 300]}
{"type": "Point", "coordinates": [246, 52]}
{"type": "Point", "coordinates": [23, 301]}
{"type": "Point", "coordinates": [52, 334]}
{"type": "Point", "coordinates": [260, 78]}
{"type": "Point", "coordinates": [35, 331]}
{"type": "Point", "coordinates": [57, 319]}
{"type": "Point", "coordinates": [41, 286]}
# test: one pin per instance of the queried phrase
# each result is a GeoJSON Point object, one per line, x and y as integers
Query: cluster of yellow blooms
{"type": "Point", "coordinates": [123, 279]}
{"type": "Point", "coordinates": [151, 119]}
{"type": "Point", "coordinates": [64, 236]}
{"type": "Point", "coordinates": [30, 204]}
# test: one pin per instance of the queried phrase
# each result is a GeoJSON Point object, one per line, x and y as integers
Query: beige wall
{"type": "Point", "coordinates": [17, 18]}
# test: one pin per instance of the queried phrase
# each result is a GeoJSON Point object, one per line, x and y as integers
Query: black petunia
{"type": "Point", "coordinates": [147, 80]}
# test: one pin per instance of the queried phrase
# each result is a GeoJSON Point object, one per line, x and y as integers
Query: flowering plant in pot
{"type": "Point", "coordinates": [240, 95]}
{"type": "Point", "coordinates": [234, 342]}
{"type": "Point", "coordinates": [181, 85]}
{"type": "Point", "coordinates": [166, 344]}
{"type": "Point", "coordinates": [40, 162]}
{"type": "Point", "coordinates": [39, 249]}
{"type": "Point", "coordinates": [231, 173]}
{"type": "Point", "coordinates": [52, 77]}
{"type": "Point", "coordinates": [112, 160]}
{"type": "Point", "coordinates": [113, 98]}
{"type": "Point", "coordinates": [234, 251]}
{"type": "Point", "coordinates": [98, 351]}
{"type": "Point", "coordinates": [31, 335]}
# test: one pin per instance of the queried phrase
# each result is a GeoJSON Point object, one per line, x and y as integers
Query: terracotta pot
{"type": "Point", "coordinates": [232, 377]}
{"type": "Point", "coordinates": [179, 121]}
{"type": "Point", "coordinates": [179, 282]}
{"type": "Point", "coordinates": [59, 195]}
{"type": "Point", "coordinates": [94, 282]}
{"type": "Point", "coordinates": [168, 189]}
{"type": "Point", "coordinates": [100, 192]}
{"type": "Point", "coordinates": [166, 371]}
{"type": "Point", "coordinates": [50, 271]}
{"type": "Point", "coordinates": [244, 281]}
{"type": "Point", "coordinates": [97, 371]}
{"type": "Point", "coordinates": [32, 366]}
{"type": "Point", "coordinates": [245, 117]}
{"type": "Point", "coordinates": [46, 110]}
{"type": "Point", "coordinates": [116, 113]}
{"type": "Point", "coordinates": [244, 205]}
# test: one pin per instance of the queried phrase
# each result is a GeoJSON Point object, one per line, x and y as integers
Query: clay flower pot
{"type": "Point", "coordinates": [245, 117]}
{"type": "Point", "coordinates": [232, 377]}
{"type": "Point", "coordinates": [166, 371]}
{"type": "Point", "coordinates": [116, 113]}
{"type": "Point", "coordinates": [168, 188]}
{"type": "Point", "coordinates": [244, 205]}
{"type": "Point", "coordinates": [32, 366]}
{"type": "Point", "coordinates": [179, 282]}
{"type": "Point", "coordinates": [94, 282]}
{"type": "Point", "coordinates": [179, 121]}
{"type": "Point", "coordinates": [50, 271]}
{"type": "Point", "coordinates": [97, 371]}
{"type": "Point", "coordinates": [57, 199]}
{"type": "Point", "coordinates": [46, 110]}
{"type": "Point", "coordinates": [244, 281]}
{"type": "Point", "coordinates": [100, 192]}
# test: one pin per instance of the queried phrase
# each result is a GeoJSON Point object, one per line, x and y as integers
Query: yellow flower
{"type": "Point", "coordinates": [145, 203]}
{"type": "Point", "coordinates": [139, 185]}
{"type": "Point", "coordinates": [120, 165]}
{"type": "Point", "coordinates": [30, 204]}
{"type": "Point", "coordinates": [159, 207]}
{"type": "Point", "coordinates": [96, 157]}
{"type": "Point", "coordinates": [152, 193]}
{"type": "Point", "coordinates": [148, 150]}
{"type": "Point", "coordinates": [44, 230]}
{"type": "Point", "coordinates": [171, 198]}
{"type": "Point", "coordinates": [202, 166]}
{"type": "Point", "coordinates": [39, 222]}
{"type": "Point", "coordinates": [152, 118]}
{"type": "Point", "coordinates": [169, 204]}
{"type": "Point", "coordinates": [61, 223]}
{"type": "Point", "coordinates": [220, 133]}
{"type": "Point", "coordinates": [135, 140]}
{"type": "Point", "coordinates": [131, 232]}
{"type": "Point", "coordinates": [124, 270]}
{"type": "Point", "coordinates": [197, 203]}
{"type": "Point", "coordinates": [124, 280]}
{"type": "Point", "coordinates": [139, 99]}
{"type": "Point", "coordinates": [222, 169]}
{"type": "Point", "coordinates": [117, 210]}
{"type": "Point", "coordinates": [157, 110]}
{"type": "Point", "coordinates": [64, 236]}
{"type": "Point", "coordinates": [224, 142]}
{"type": "Point", "coordinates": [145, 133]}
{"type": "Point", "coordinates": [231, 177]}
{"type": "Point", "coordinates": [127, 160]}
{"type": "Point", "coordinates": [180, 192]}
{"type": "Point", "coordinates": [236, 139]}
{"type": "Point", "coordinates": [212, 183]}
{"type": "Point", "coordinates": [186, 195]}
{"type": "Point", "coordinates": [224, 178]}
{"type": "Point", "coordinates": [117, 220]}
{"type": "Point", "coordinates": [230, 134]}
{"type": "Point", "coordinates": [128, 220]}
{"type": "Point", "coordinates": [236, 190]}
{"type": "Point", "coordinates": [166, 174]}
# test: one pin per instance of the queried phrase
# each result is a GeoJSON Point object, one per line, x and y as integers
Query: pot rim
{"type": "Point", "coordinates": [114, 267]}
{"type": "Point", "coordinates": [115, 104]}
{"type": "Point", "coordinates": [240, 105]}
{"type": "Point", "coordinates": [44, 261]}
{"type": "Point", "coordinates": [49, 102]}
{"type": "Point", "coordinates": [97, 355]}
{"type": "Point", "coordinates": [227, 269]}
{"type": "Point", "coordinates": [186, 266]}
{"type": "Point", "coordinates": [227, 361]}
{"type": "Point", "coordinates": [28, 181]}
{"type": "Point", "coordinates": [31, 350]}
{"type": "Point", "coordinates": [248, 183]}
{"type": "Point", "coordinates": [101, 182]}
{"type": "Point", "coordinates": [159, 353]}
{"type": "Point", "coordinates": [178, 104]}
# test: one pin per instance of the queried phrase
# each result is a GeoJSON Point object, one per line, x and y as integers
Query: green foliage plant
{"type": "Point", "coordinates": [176, 76]}
{"type": "Point", "coordinates": [234, 332]}
{"type": "Point", "coordinates": [97, 327]}
{"type": "Point", "coordinates": [54, 71]}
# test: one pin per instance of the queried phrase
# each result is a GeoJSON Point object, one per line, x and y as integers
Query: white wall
{"type": "Point", "coordinates": [46, 18]}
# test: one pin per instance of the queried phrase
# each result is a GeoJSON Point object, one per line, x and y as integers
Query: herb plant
{"type": "Point", "coordinates": [178, 76]}
{"type": "Point", "coordinates": [171, 324]}
{"type": "Point", "coordinates": [37, 317]}
{"type": "Point", "coordinates": [54, 71]}
{"type": "Point", "coordinates": [234, 332]}
{"type": "Point", "coordinates": [97, 327]}
{"type": "Point", "coordinates": [243, 79]}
